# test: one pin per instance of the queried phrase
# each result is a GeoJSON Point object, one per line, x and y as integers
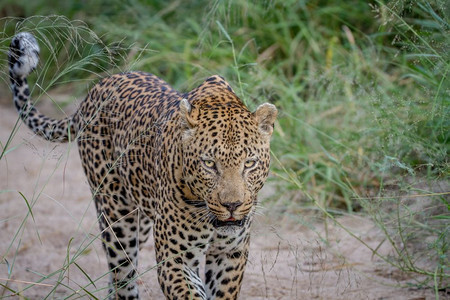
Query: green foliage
{"type": "Point", "coordinates": [362, 87]}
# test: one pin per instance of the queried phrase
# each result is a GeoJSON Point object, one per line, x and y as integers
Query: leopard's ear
{"type": "Point", "coordinates": [187, 123]}
{"type": "Point", "coordinates": [266, 115]}
{"type": "Point", "coordinates": [185, 113]}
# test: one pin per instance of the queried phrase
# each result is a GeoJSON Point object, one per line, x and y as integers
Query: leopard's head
{"type": "Point", "coordinates": [226, 152]}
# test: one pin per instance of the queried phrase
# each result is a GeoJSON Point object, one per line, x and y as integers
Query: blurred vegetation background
{"type": "Point", "coordinates": [362, 88]}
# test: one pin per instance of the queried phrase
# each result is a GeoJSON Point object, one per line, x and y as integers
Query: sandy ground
{"type": "Point", "coordinates": [287, 261]}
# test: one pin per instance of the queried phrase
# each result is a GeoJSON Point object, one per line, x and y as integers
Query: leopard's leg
{"type": "Point", "coordinates": [119, 223]}
{"type": "Point", "coordinates": [178, 272]}
{"type": "Point", "coordinates": [224, 269]}
{"type": "Point", "coordinates": [124, 230]}
{"type": "Point", "coordinates": [118, 216]}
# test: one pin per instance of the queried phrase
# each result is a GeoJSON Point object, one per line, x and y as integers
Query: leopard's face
{"type": "Point", "coordinates": [226, 157]}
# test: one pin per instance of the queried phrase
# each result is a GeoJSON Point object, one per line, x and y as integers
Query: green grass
{"type": "Point", "coordinates": [362, 90]}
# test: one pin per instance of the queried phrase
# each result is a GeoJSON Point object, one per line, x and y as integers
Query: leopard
{"type": "Point", "coordinates": [187, 165]}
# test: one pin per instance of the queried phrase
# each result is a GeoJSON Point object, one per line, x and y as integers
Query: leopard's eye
{"type": "Point", "coordinates": [209, 163]}
{"type": "Point", "coordinates": [249, 163]}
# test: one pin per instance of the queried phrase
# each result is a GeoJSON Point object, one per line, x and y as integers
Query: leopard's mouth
{"type": "Point", "coordinates": [228, 222]}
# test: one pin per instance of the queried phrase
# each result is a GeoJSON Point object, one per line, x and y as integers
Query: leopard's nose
{"type": "Point", "coordinates": [232, 206]}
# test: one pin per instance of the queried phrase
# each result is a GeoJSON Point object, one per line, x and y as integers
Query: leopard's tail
{"type": "Point", "coordinates": [23, 58]}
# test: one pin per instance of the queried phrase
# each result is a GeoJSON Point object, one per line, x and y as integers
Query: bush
{"type": "Point", "coordinates": [362, 88]}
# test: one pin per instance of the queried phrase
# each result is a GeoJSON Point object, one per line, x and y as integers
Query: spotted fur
{"type": "Point", "coordinates": [189, 165]}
